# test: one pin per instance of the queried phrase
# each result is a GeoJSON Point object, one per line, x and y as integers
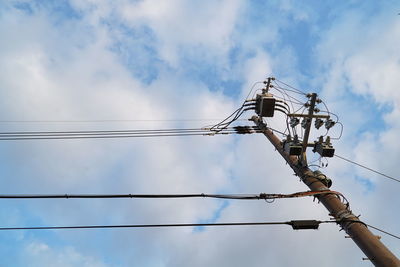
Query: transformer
{"type": "Point", "coordinates": [292, 147]}
{"type": "Point", "coordinates": [325, 149]}
{"type": "Point", "coordinates": [265, 105]}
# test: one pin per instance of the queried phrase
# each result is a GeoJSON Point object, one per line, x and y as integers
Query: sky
{"type": "Point", "coordinates": [185, 64]}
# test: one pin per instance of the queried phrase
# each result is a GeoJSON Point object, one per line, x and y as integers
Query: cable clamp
{"type": "Point", "coordinates": [346, 216]}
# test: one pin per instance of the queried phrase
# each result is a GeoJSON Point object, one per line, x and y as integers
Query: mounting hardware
{"type": "Point", "coordinates": [305, 224]}
{"type": "Point", "coordinates": [323, 178]}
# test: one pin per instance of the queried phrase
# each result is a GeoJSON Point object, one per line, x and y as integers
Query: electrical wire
{"type": "Point", "coordinates": [100, 121]}
{"type": "Point", "coordinates": [251, 89]}
{"type": "Point", "coordinates": [129, 131]}
{"type": "Point", "coordinates": [224, 124]}
{"type": "Point", "coordinates": [280, 132]}
{"type": "Point", "coordinates": [46, 135]}
{"type": "Point", "coordinates": [110, 136]}
{"type": "Point", "coordinates": [261, 196]}
{"type": "Point", "coordinates": [236, 114]}
{"type": "Point", "coordinates": [295, 90]}
{"type": "Point", "coordinates": [283, 102]}
{"type": "Point", "coordinates": [288, 109]}
{"type": "Point", "coordinates": [341, 132]}
{"type": "Point", "coordinates": [287, 118]}
{"type": "Point", "coordinates": [283, 93]}
{"type": "Point", "coordinates": [291, 98]}
{"type": "Point", "coordinates": [282, 98]}
{"type": "Point", "coordinates": [294, 100]}
{"type": "Point", "coordinates": [155, 225]}
{"type": "Point", "coordinates": [367, 168]}
{"type": "Point", "coordinates": [147, 196]}
{"type": "Point", "coordinates": [380, 230]}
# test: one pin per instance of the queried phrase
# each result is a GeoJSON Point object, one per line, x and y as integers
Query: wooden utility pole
{"type": "Point", "coordinates": [370, 244]}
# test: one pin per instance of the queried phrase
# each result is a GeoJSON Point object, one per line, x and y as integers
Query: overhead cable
{"type": "Point", "coordinates": [367, 168]}
{"type": "Point", "coordinates": [295, 90]}
{"type": "Point", "coordinates": [45, 135]}
{"type": "Point", "coordinates": [296, 224]}
{"type": "Point", "coordinates": [105, 120]}
{"type": "Point", "coordinates": [261, 196]}
{"type": "Point", "coordinates": [248, 104]}
{"type": "Point", "coordinates": [382, 231]}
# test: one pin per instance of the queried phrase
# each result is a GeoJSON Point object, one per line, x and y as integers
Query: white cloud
{"type": "Point", "coordinates": [41, 254]}
{"type": "Point", "coordinates": [359, 54]}
{"type": "Point", "coordinates": [67, 71]}
{"type": "Point", "coordinates": [178, 24]}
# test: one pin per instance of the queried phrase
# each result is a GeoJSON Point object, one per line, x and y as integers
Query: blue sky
{"type": "Point", "coordinates": [175, 59]}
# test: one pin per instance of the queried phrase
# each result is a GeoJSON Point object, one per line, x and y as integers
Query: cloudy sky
{"type": "Point", "coordinates": [187, 64]}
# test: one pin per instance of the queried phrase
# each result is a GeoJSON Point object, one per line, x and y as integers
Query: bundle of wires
{"type": "Point", "coordinates": [46, 135]}
{"type": "Point", "coordinates": [223, 125]}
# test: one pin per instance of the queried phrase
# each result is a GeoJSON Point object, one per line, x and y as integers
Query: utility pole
{"type": "Point", "coordinates": [370, 244]}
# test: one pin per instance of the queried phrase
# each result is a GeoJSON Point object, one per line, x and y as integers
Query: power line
{"type": "Point", "coordinates": [104, 132]}
{"type": "Point", "coordinates": [380, 230]}
{"type": "Point", "coordinates": [101, 136]}
{"type": "Point", "coordinates": [296, 224]}
{"type": "Point", "coordinates": [110, 120]}
{"type": "Point", "coordinates": [46, 135]}
{"type": "Point", "coordinates": [367, 168]}
{"type": "Point", "coordinates": [261, 196]}
{"type": "Point", "coordinates": [148, 196]}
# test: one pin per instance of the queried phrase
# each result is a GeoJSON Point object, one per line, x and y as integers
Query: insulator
{"type": "Point", "coordinates": [318, 123]}
{"type": "Point", "coordinates": [305, 122]}
{"type": "Point", "coordinates": [329, 124]}
{"type": "Point", "coordinates": [294, 122]}
{"type": "Point", "coordinates": [328, 140]}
